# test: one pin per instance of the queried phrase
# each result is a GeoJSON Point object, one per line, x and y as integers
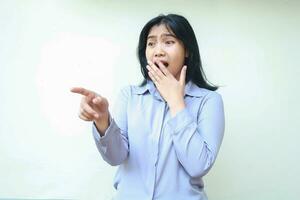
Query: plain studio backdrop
{"type": "Point", "coordinates": [250, 48]}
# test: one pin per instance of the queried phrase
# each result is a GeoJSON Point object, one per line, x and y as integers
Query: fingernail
{"type": "Point", "coordinates": [96, 115]}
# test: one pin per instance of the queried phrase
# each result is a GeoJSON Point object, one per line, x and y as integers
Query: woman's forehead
{"type": "Point", "coordinates": [160, 29]}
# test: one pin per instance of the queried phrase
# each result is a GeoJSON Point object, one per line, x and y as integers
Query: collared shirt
{"type": "Point", "coordinates": [159, 156]}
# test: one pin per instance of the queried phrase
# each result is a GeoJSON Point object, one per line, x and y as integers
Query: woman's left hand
{"type": "Point", "coordinates": [171, 90]}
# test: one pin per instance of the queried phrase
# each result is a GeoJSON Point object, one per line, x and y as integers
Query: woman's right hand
{"type": "Point", "coordinates": [93, 107]}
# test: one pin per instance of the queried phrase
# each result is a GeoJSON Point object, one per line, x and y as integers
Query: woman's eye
{"type": "Point", "coordinates": [170, 42]}
{"type": "Point", "coordinates": [150, 44]}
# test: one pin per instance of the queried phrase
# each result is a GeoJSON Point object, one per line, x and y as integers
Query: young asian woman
{"type": "Point", "coordinates": [164, 134]}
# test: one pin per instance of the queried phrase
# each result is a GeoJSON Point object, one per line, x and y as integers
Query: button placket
{"type": "Point", "coordinates": [156, 137]}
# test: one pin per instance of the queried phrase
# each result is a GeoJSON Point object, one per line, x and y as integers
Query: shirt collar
{"type": "Point", "coordinates": [193, 90]}
{"type": "Point", "coordinates": [153, 91]}
{"type": "Point", "coordinates": [140, 89]}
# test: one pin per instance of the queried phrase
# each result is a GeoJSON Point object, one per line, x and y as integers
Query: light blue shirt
{"type": "Point", "coordinates": [159, 156]}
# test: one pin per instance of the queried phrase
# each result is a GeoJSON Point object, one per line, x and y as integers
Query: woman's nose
{"type": "Point", "coordinates": [159, 51]}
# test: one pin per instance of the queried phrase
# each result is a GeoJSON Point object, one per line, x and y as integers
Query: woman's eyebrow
{"type": "Point", "coordinates": [151, 37]}
{"type": "Point", "coordinates": [168, 35]}
{"type": "Point", "coordinates": [162, 35]}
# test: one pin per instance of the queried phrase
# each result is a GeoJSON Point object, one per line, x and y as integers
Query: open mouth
{"type": "Point", "coordinates": [163, 62]}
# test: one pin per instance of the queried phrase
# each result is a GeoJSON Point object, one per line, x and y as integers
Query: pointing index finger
{"type": "Point", "coordinates": [80, 90]}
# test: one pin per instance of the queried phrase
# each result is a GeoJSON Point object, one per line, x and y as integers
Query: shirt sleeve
{"type": "Point", "coordinates": [197, 141]}
{"type": "Point", "coordinates": [113, 146]}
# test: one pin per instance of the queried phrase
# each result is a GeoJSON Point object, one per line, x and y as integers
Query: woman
{"type": "Point", "coordinates": [164, 134]}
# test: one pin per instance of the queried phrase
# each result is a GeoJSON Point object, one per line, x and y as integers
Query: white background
{"type": "Point", "coordinates": [250, 48]}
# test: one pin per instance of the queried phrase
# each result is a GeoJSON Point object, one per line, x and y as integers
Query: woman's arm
{"type": "Point", "coordinates": [197, 142]}
{"type": "Point", "coordinates": [113, 143]}
{"type": "Point", "coordinates": [113, 146]}
{"type": "Point", "coordinates": [111, 140]}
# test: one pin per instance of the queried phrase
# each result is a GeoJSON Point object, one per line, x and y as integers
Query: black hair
{"type": "Point", "coordinates": [184, 32]}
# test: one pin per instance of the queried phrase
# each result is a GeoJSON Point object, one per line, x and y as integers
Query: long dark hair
{"type": "Point", "coordinates": [184, 32]}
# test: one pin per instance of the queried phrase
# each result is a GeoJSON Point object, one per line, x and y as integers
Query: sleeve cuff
{"type": "Point", "coordinates": [180, 121]}
{"type": "Point", "coordinates": [108, 133]}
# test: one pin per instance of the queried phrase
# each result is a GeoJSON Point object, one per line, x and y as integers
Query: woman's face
{"type": "Point", "coordinates": [163, 46]}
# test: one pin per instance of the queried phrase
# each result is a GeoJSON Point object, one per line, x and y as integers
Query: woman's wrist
{"type": "Point", "coordinates": [176, 107]}
{"type": "Point", "coordinates": [102, 124]}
